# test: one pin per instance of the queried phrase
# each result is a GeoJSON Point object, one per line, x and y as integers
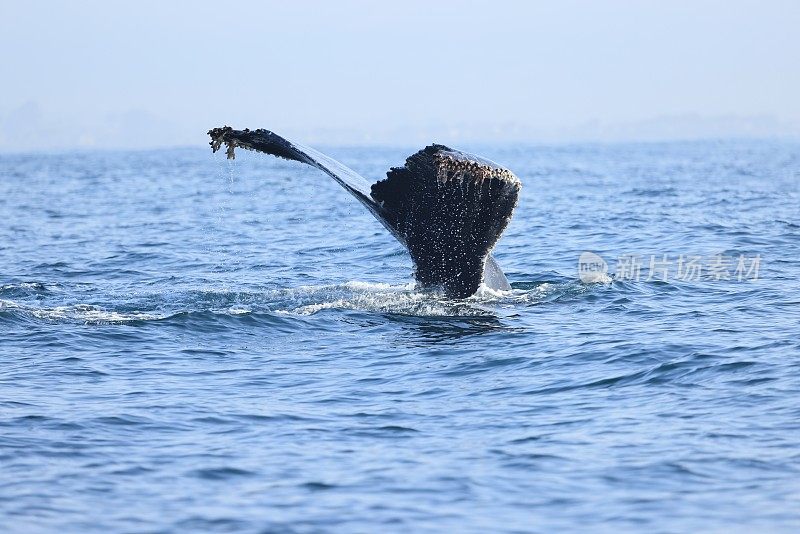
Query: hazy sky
{"type": "Point", "coordinates": [135, 74]}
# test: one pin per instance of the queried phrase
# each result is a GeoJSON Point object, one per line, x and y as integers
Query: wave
{"type": "Point", "coordinates": [29, 301]}
{"type": "Point", "coordinates": [82, 313]}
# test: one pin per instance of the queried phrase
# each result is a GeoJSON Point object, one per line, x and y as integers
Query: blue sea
{"type": "Point", "coordinates": [189, 344]}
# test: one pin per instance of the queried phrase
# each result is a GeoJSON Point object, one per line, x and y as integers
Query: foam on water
{"type": "Point", "coordinates": [369, 297]}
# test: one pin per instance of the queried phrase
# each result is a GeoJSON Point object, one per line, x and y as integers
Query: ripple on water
{"type": "Point", "coordinates": [238, 347]}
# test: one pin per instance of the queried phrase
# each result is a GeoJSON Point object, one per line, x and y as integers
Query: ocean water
{"type": "Point", "coordinates": [189, 344]}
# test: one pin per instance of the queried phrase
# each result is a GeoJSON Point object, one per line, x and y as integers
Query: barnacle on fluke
{"type": "Point", "coordinates": [447, 207]}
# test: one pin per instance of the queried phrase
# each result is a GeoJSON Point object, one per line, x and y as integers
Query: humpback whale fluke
{"type": "Point", "coordinates": [447, 207]}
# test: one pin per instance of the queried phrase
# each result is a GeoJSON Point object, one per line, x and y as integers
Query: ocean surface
{"type": "Point", "coordinates": [189, 344]}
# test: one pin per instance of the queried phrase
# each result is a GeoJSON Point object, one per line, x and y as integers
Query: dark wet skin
{"type": "Point", "coordinates": [447, 207]}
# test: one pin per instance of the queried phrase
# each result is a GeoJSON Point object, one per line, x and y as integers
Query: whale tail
{"type": "Point", "coordinates": [447, 207]}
